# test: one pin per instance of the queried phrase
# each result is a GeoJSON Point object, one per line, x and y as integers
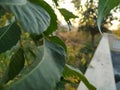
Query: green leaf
{"type": "Point", "coordinates": [61, 85]}
{"type": "Point", "coordinates": [56, 2]}
{"type": "Point", "coordinates": [16, 63]}
{"type": "Point", "coordinates": [13, 2]}
{"type": "Point", "coordinates": [53, 22]}
{"type": "Point", "coordinates": [70, 71]}
{"type": "Point", "coordinates": [67, 14]}
{"type": "Point", "coordinates": [33, 18]}
{"type": "Point", "coordinates": [9, 36]}
{"type": "Point", "coordinates": [45, 72]}
{"type": "Point", "coordinates": [104, 8]}
{"type": "Point", "coordinates": [15, 66]}
{"type": "Point", "coordinates": [57, 40]}
{"type": "Point", "coordinates": [37, 39]}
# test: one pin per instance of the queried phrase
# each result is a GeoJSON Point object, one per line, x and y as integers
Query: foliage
{"type": "Point", "coordinates": [39, 71]}
{"type": "Point", "coordinates": [7, 36]}
{"type": "Point", "coordinates": [116, 32]}
{"type": "Point", "coordinates": [79, 48]}
{"type": "Point", "coordinates": [70, 71]}
{"type": "Point", "coordinates": [19, 64]}
{"type": "Point", "coordinates": [74, 74]}
{"type": "Point", "coordinates": [37, 59]}
{"type": "Point", "coordinates": [104, 10]}
{"type": "Point", "coordinates": [67, 15]}
{"type": "Point", "coordinates": [47, 53]}
{"type": "Point", "coordinates": [89, 21]}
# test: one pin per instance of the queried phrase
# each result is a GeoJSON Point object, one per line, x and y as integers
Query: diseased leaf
{"type": "Point", "coordinates": [104, 8]}
{"type": "Point", "coordinates": [70, 71]}
{"type": "Point", "coordinates": [46, 70]}
{"type": "Point", "coordinates": [15, 66]}
{"type": "Point", "coordinates": [9, 36]}
{"type": "Point", "coordinates": [33, 18]}
{"type": "Point", "coordinates": [53, 22]}
{"type": "Point", "coordinates": [13, 2]}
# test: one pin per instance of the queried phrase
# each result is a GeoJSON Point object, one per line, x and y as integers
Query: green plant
{"type": "Point", "coordinates": [37, 60]}
{"type": "Point", "coordinates": [88, 21]}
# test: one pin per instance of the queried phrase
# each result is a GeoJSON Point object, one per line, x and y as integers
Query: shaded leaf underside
{"type": "Point", "coordinates": [33, 18]}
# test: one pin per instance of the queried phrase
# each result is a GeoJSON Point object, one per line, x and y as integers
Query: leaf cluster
{"type": "Point", "coordinates": [37, 21]}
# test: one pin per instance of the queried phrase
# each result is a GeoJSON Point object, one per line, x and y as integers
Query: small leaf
{"type": "Point", "coordinates": [71, 71]}
{"type": "Point", "coordinates": [13, 2]}
{"type": "Point", "coordinates": [56, 2]}
{"type": "Point", "coordinates": [67, 14]}
{"type": "Point", "coordinates": [15, 66]}
{"type": "Point", "coordinates": [9, 36]}
{"type": "Point", "coordinates": [104, 8]}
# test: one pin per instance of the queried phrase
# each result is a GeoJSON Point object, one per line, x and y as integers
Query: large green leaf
{"type": "Point", "coordinates": [104, 8]}
{"type": "Point", "coordinates": [53, 21]}
{"type": "Point", "coordinates": [9, 36]}
{"type": "Point", "coordinates": [70, 71]}
{"type": "Point", "coordinates": [15, 66]}
{"type": "Point", "coordinates": [46, 71]}
{"type": "Point", "coordinates": [33, 18]}
{"type": "Point", "coordinates": [13, 2]}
